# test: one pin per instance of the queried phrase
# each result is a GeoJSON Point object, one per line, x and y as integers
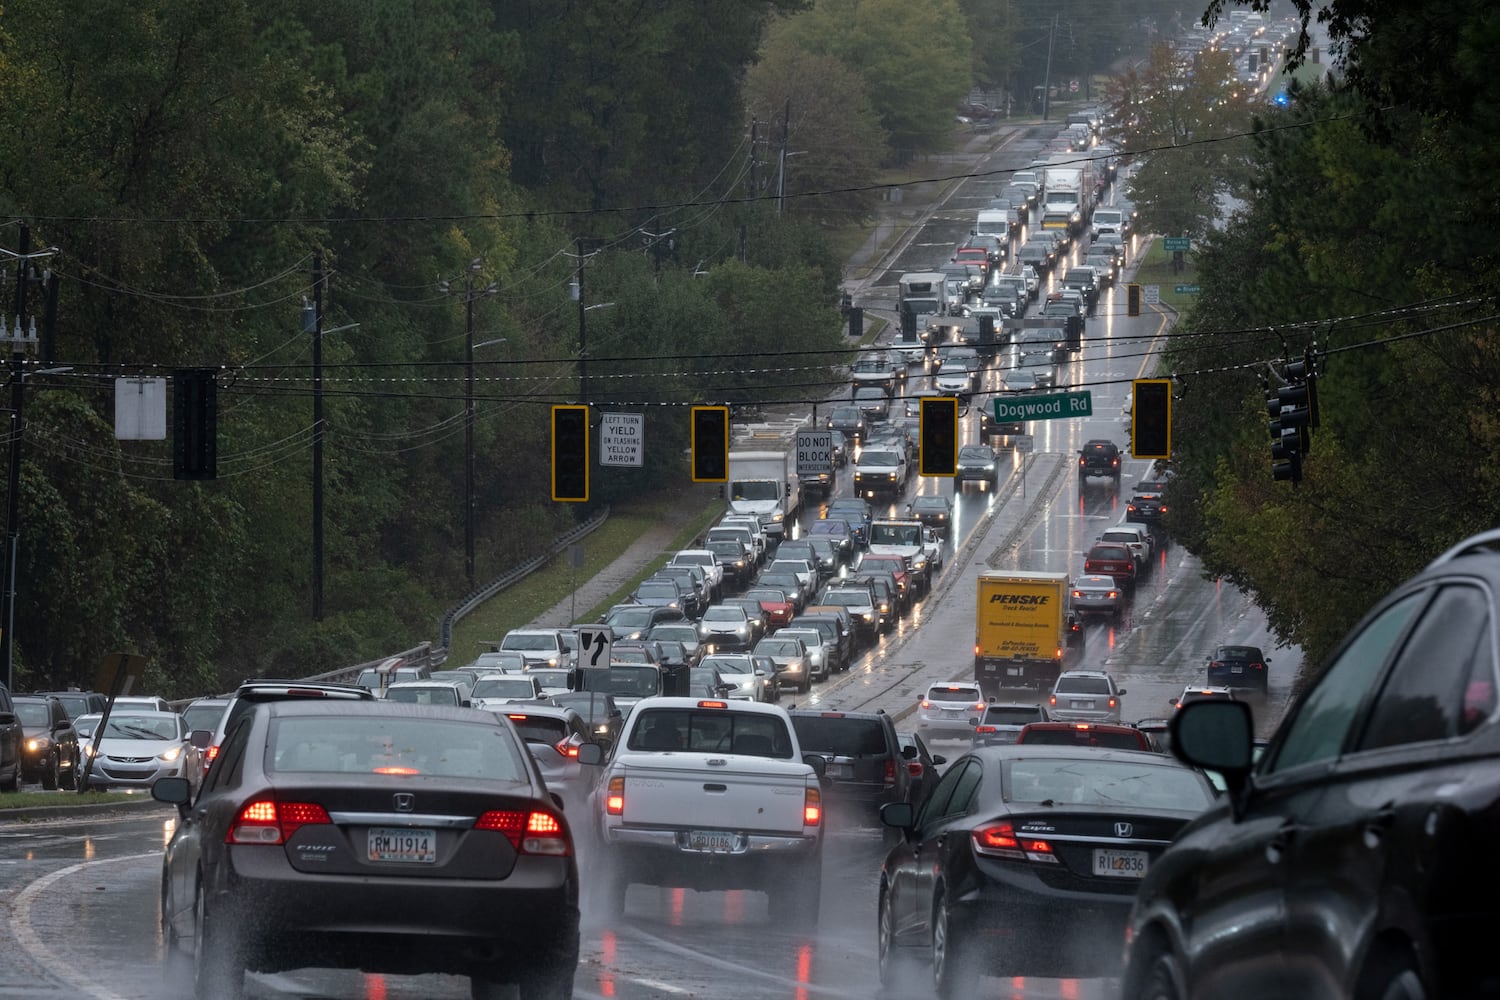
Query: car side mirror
{"type": "Point", "coordinates": [974, 720]}
{"type": "Point", "coordinates": [938, 759]}
{"type": "Point", "coordinates": [590, 753]}
{"type": "Point", "coordinates": [1120, 692]}
{"type": "Point", "coordinates": [817, 762]}
{"type": "Point", "coordinates": [201, 738]}
{"type": "Point", "coordinates": [898, 815]}
{"type": "Point", "coordinates": [173, 791]}
{"type": "Point", "coordinates": [909, 753]}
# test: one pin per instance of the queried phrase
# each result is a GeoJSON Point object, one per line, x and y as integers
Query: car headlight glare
{"type": "Point", "coordinates": [170, 755]}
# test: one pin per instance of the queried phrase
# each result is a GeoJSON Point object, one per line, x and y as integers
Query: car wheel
{"type": "Point", "coordinates": [1391, 977]}
{"type": "Point", "coordinates": [1158, 983]}
{"type": "Point", "coordinates": [218, 963]}
{"type": "Point", "coordinates": [177, 969]}
{"type": "Point", "coordinates": [954, 974]}
{"type": "Point", "coordinates": [49, 774]}
{"type": "Point", "coordinates": [894, 962]}
{"type": "Point", "coordinates": [552, 980]}
{"type": "Point", "coordinates": [70, 779]}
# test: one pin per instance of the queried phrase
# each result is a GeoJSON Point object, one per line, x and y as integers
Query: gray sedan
{"type": "Point", "coordinates": [1098, 595]}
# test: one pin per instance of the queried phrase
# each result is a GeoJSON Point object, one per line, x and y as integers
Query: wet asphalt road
{"type": "Point", "coordinates": [78, 897]}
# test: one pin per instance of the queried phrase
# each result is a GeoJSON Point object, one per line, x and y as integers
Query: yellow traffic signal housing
{"type": "Point", "coordinates": [1151, 418]}
{"type": "Point", "coordinates": [938, 433]}
{"type": "Point", "coordinates": [710, 433]}
{"type": "Point", "coordinates": [1132, 300]}
{"type": "Point", "coordinates": [570, 453]}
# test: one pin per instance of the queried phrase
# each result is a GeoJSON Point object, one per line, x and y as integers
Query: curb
{"type": "Point", "coordinates": [43, 814]}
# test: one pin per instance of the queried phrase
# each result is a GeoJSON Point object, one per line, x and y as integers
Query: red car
{"type": "Point", "coordinates": [775, 603]}
{"type": "Point", "coordinates": [1111, 559]}
{"type": "Point", "coordinates": [978, 256]}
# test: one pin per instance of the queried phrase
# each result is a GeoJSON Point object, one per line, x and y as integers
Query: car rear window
{"type": "Point", "coordinates": [1104, 783]}
{"type": "Point", "coordinates": [536, 729]}
{"type": "Point", "coordinates": [1082, 685]}
{"type": "Point", "coordinates": [407, 746]}
{"type": "Point", "coordinates": [1018, 716]}
{"type": "Point", "coordinates": [504, 687]}
{"type": "Point", "coordinates": [841, 736]}
{"type": "Point", "coordinates": [711, 731]}
{"type": "Point", "coordinates": [946, 692]}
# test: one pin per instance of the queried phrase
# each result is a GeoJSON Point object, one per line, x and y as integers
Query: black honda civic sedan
{"type": "Point", "coordinates": [341, 834]}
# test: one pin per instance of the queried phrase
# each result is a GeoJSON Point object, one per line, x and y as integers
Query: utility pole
{"type": "Point", "coordinates": [22, 339]}
{"type": "Point", "coordinates": [1047, 79]}
{"type": "Point", "coordinates": [317, 497]}
{"type": "Point", "coordinates": [471, 293]}
{"type": "Point", "coordinates": [786, 121]}
{"type": "Point", "coordinates": [583, 336]}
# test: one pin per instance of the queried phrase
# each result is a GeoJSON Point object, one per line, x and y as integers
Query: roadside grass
{"type": "Point", "coordinates": [684, 538]}
{"type": "Point", "coordinates": [521, 604]}
{"type": "Point", "coordinates": [43, 800]}
{"type": "Point", "coordinates": [1155, 268]}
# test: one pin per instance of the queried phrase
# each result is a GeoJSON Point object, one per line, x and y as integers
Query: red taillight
{"type": "Point", "coordinates": [404, 771]}
{"type": "Point", "coordinates": [1000, 840]}
{"type": "Point", "coordinates": [713, 704]}
{"type": "Point", "coordinates": [1258, 666]}
{"type": "Point", "coordinates": [1052, 700]}
{"type": "Point", "coordinates": [984, 729]}
{"type": "Point", "coordinates": [890, 771]}
{"type": "Point", "coordinates": [812, 807]}
{"type": "Point", "coordinates": [566, 747]}
{"type": "Point", "coordinates": [211, 755]}
{"type": "Point", "coordinates": [1083, 726]}
{"type": "Point", "coordinates": [914, 769]}
{"type": "Point", "coordinates": [528, 832]}
{"type": "Point", "coordinates": [1111, 703]}
{"type": "Point", "coordinates": [266, 821]}
{"type": "Point", "coordinates": [1000, 837]}
{"type": "Point", "coordinates": [979, 706]}
{"type": "Point", "coordinates": [614, 797]}
{"type": "Point", "coordinates": [926, 703]}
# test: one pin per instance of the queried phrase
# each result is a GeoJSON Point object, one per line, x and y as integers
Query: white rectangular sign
{"type": "Point", "coordinates": [622, 439]}
{"type": "Point", "coordinates": [1023, 444]}
{"type": "Point", "coordinates": [814, 452]}
{"type": "Point", "coordinates": [140, 409]}
{"type": "Point", "coordinates": [1153, 295]}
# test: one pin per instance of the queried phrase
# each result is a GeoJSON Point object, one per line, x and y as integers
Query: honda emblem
{"type": "Point", "coordinates": [406, 802]}
{"type": "Point", "coordinates": [1123, 829]}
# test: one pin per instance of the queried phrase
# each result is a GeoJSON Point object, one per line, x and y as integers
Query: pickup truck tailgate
{"type": "Point", "coordinates": [728, 791]}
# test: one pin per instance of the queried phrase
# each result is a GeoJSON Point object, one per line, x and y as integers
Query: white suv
{"type": "Point", "coordinates": [1085, 696]}
{"type": "Point", "coordinates": [949, 710]}
{"type": "Point", "coordinates": [541, 647]}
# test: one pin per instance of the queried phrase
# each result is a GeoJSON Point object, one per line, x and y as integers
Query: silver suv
{"type": "Point", "coordinates": [1085, 696]}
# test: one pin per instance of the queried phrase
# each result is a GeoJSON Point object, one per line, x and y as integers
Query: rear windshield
{"type": "Point", "coordinates": [1085, 738]}
{"type": "Point", "coordinates": [539, 730]}
{"type": "Point", "coordinates": [424, 696]}
{"type": "Point", "coordinates": [1017, 716]}
{"type": "Point", "coordinates": [711, 731]}
{"type": "Point", "coordinates": [370, 745]}
{"type": "Point", "coordinates": [1082, 685]}
{"type": "Point", "coordinates": [945, 693]}
{"type": "Point", "coordinates": [840, 736]}
{"type": "Point", "coordinates": [504, 687]}
{"type": "Point", "coordinates": [1104, 783]}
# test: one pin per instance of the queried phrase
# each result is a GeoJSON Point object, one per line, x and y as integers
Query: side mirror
{"type": "Point", "coordinates": [1120, 692]}
{"type": "Point", "coordinates": [1216, 736]}
{"type": "Point", "coordinates": [909, 753]}
{"type": "Point", "coordinates": [939, 759]}
{"type": "Point", "coordinates": [200, 738]}
{"type": "Point", "coordinates": [974, 720]}
{"type": "Point", "coordinates": [817, 762]}
{"type": "Point", "coordinates": [173, 791]}
{"type": "Point", "coordinates": [898, 815]}
{"type": "Point", "coordinates": [590, 753]}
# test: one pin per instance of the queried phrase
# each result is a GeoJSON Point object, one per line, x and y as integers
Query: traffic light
{"type": "Point", "coordinates": [1151, 418]}
{"type": "Point", "coordinates": [1132, 300]}
{"type": "Point", "coordinates": [570, 454]}
{"type": "Point", "coordinates": [938, 431]}
{"type": "Point", "coordinates": [195, 424]}
{"type": "Point", "coordinates": [710, 444]}
{"type": "Point", "coordinates": [1293, 409]}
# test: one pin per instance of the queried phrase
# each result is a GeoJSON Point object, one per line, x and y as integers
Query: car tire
{"type": "Point", "coordinates": [954, 974]}
{"type": "Point", "coordinates": [70, 779]}
{"type": "Point", "coordinates": [1391, 976]}
{"type": "Point", "coordinates": [13, 783]}
{"type": "Point", "coordinates": [894, 962]}
{"type": "Point", "coordinates": [50, 774]}
{"type": "Point", "coordinates": [218, 961]}
{"type": "Point", "coordinates": [177, 966]}
{"type": "Point", "coordinates": [552, 980]}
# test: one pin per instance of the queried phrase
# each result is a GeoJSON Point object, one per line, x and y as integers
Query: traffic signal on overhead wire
{"type": "Point", "coordinates": [938, 432]}
{"type": "Point", "coordinates": [1293, 409]}
{"type": "Point", "coordinates": [570, 454]}
{"type": "Point", "coordinates": [1151, 418]}
{"type": "Point", "coordinates": [195, 424]}
{"type": "Point", "coordinates": [710, 434]}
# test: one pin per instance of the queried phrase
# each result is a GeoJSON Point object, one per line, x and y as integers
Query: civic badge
{"type": "Point", "coordinates": [407, 802]}
{"type": "Point", "coordinates": [1121, 829]}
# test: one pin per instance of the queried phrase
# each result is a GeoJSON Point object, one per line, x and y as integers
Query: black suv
{"type": "Point", "coordinates": [866, 765]}
{"type": "Point", "coordinates": [50, 754]}
{"type": "Point", "coordinates": [258, 692]}
{"type": "Point", "coordinates": [12, 736]}
{"type": "Point", "coordinates": [1148, 502]}
{"type": "Point", "coordinates": [1099, 458]}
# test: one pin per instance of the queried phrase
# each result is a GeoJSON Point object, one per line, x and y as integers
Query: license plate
{"type": "Point", "coordinates": [711, 841]}
{"type": "Point", "coordinates": [402, 845]}
{"type": "Point", "coordinates": [952, 713]}
{"type": "Point", "coordinates": [1083, 704]}
{"type": "Point", "coordinates": [1236, 670]}
{"type": "Point", "coordinates": [1119, 864]}
{"type": "Point", "coordinates": [845, 771]}
{"type": "Point", "coordinates": [1013, 671]}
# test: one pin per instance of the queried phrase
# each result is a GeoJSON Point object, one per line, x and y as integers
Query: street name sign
{"type": "Point", "coordinates": [1174, 244]}
{"type": "Point", "coordinates": [1185, 289]}
{"type": "Point", "coordinates": [1044, 406]}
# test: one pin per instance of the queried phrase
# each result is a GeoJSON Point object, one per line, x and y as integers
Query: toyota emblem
{"type": "Point", "coordinates": [406, 802]}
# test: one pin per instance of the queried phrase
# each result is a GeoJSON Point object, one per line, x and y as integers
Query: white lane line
{"type": "Point", "coordinates": [32, 943]}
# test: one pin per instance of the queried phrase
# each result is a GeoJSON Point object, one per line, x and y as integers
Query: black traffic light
{"type": "Point", "coordinates": [1151, 418]}
{"type": "Point", "coordinates": [1132, 300]}
{"type": "Point", "coordinates": [938, 432]}
{"type": "Point", "coordinates": [570, 454]}
{"type": "Point", "coordinates": [195, 424]}
{"type": "Point", "coordinates": [1286, 457]}
{"type": "Point", "coordinates": [710, 444]}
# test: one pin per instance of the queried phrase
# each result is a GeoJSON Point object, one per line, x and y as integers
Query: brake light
{"type": "Point", "coordinates": [1052, 700]}
{"type": "Point", "coordinates": [890, 771]}
{"type": "Point", "coordinates": [1000, 840]}
{"type": "Point", "coordinates": [984, 729]}
{"type": "Point", "coordinates": [535, 832]}
{"type": "Point", "coordinates": [614, 797]}
{"type": "Point", "coordinates": [979, 706]}
{"type": "Point", "coordinates": [210, 756]}
{"type": "Point", "coordinates": [812, 807]}
{"type": "Point", "coordinates": [926, 703]}
{"type": "Point", "coordinates": [1084, 726]}
{"type": "Point", "coordinates": [268, 822]}
{"type": "Point", "coordinates": [914, 769]}
{"type": "Point", "coordinates": [713, 704]}
{"type": "Point", "coordinates": [567, 748]}
{"type": "Point", "coordinates": [516, 718]}
{"type": "Point", "coordinates": [403, 771]}
{"type": "Point", "coordinates": [1111, 703]}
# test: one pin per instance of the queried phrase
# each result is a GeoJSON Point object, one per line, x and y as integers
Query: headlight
{"type": "Point", "coordinates": [88, 749]}
{"type": "Point", "coordinates": [38, 745]}
{"type": "Point", "coordinates": [170, 755]}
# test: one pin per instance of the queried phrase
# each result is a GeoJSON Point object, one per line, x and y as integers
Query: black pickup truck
{"type": "Point", "coordinates": [11, 740]}
{"type": "Point", "coordinates": [1099, 458]}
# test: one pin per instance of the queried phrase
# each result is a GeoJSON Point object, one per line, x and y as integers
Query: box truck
{"type": "Point", "coordinates": [1025, 633]}
{"type": "Point", "coordinates": [764, 483]}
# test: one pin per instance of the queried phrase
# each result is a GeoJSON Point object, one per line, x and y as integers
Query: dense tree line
{"type": "Point", "coordinates": [1362, 241]}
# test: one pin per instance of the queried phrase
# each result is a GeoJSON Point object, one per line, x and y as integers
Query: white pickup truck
{"type": "Point", "coordinates": [705, 794]}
